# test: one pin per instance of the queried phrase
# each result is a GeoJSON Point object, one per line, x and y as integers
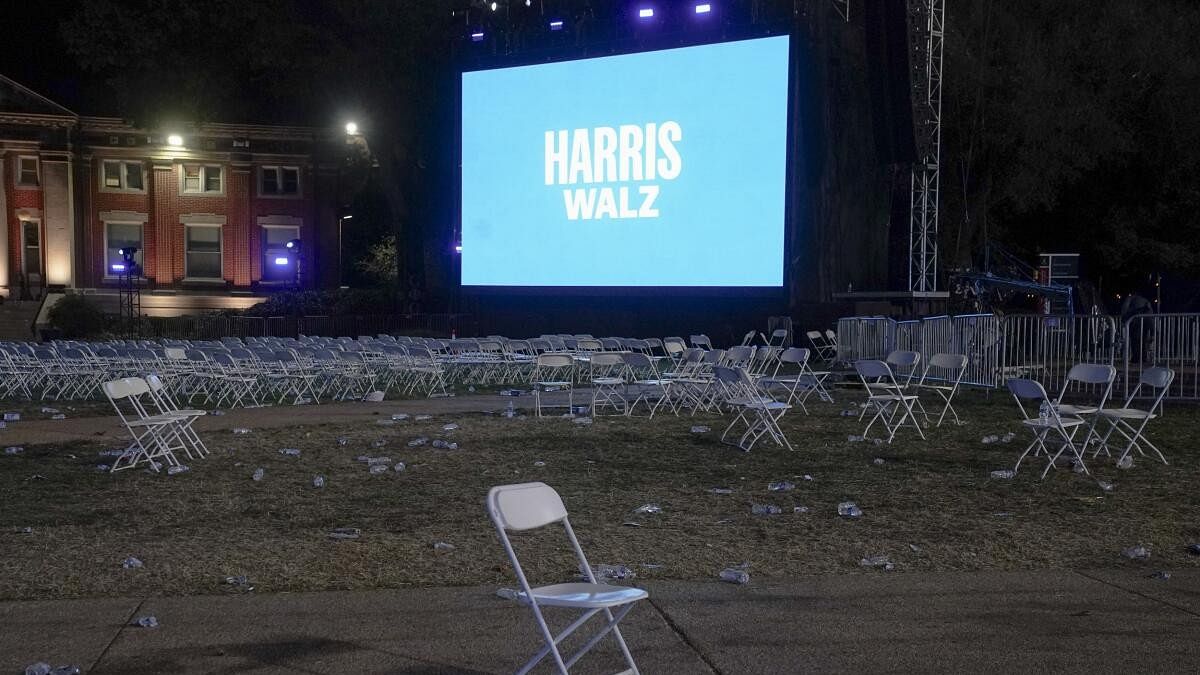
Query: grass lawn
{"type": "Point", "coordinates": [928, 506]}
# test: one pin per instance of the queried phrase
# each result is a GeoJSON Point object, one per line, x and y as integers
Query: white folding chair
{"type": "Point", "coordinates": [606, 371]}
{"type": "Point", "coordinates": [1091, 376]}
{"type": "Point", "coordinates": [186, 417]}
{"type": "Point", "coordinates": [646, 381]}
{"type": "Point", "coordinates": [528, 506]}
{"type": "Point", "coordinates": [1064, 427]}
{"type": "Point", "coordinates": [1122, 420]}
{"type": "Point", "coordinates": [756, 410]}
{"type": "Point", "coordinates": [154, 436]}
{"type": "Point", "coordinates": [553, 371]}
{"type": "Point", "coordinates": [951, 367]}
{"type": "Point", "coordinates": [892, 404]}
{"type": "Point", "coordinates": [824, 351]}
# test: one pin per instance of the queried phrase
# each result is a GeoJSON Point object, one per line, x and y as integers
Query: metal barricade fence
{"type": "Point", "coordinates": [977, 336]}
{"type": "Point", "coordinates": [865, 337]}
{"type": "Point", "coordinates": [1044, 347]}
{"type": "Point", "coordinates": [1170, 340]}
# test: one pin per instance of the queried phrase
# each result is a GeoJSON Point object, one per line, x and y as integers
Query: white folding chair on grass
{"type": "Point", "coordinates": [154, 437]}
{"type": "Point", "coordinates": [1122, 420]}
{"type": "Point", "coordinates": [1063, 427]}
{"type": "Point", "coordinates": [528, 506]}
{"type": "Point", "coordinates": [892, 403]}
{"type": "Point", "coordinates": [757, 411]}
{"type": "Point", "coordinates": [606, 372]}
{"type": "Point", "coordinates": [952, 367]}
{"type": "Point", "coordinates": [1091, 376]}
{"type": "Point", "coordinates": [553, 371]}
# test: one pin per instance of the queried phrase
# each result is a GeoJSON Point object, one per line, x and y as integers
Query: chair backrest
{"type": "Point", "coordinates": [1023, 388]}
{"type": "Point", "coordinates": [606, 359]}
{"type": "Point", "coordinates": [748, 338]}
{"type": "Point", "coordinates": [726, 375]}
{"type": "Point", "coordinates": [700, 340]}
{"type": "Point", "coordinates": [954, 362]}
{"type": "Point", "coordinates": [1092, 373]}
{"type": "Point", "coordinates": [902, 358]}
{"type": "Point", "coordinates": [739, 354]}
{"type": "Point", "coordinates": [525, 506]}
{"type": "Point", "coordinates": [637, 360]}
{"type": "Point", "coordinates": [794, 355]}
{"type": "Point", "coordinates": [1157, 377]}
{"type": "Point", "coordinates": [872, 368]}
{"type": "Point", "coordinates": [552, 360]}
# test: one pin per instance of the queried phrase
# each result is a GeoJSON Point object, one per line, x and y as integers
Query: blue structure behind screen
{"type": "Point", "coordinates": [663, 168]}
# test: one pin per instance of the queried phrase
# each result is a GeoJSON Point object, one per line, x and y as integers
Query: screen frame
{"type": "Point", "coordinates": [792, 174]}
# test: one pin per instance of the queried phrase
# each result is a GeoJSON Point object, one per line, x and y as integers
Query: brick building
{"type": "Point", "coordinates": [210, 207]}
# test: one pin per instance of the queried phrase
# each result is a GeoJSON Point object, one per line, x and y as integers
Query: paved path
{"type": "Point", "coordinates": [1038, 621]}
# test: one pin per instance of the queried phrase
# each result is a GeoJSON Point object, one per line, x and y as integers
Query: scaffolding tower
{"type": "Point", "coordinates": [926, 19]}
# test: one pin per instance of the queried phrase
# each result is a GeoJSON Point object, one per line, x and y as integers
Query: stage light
{"type": "Point", "coordinates": [703, 8]}
{"type": "Point", "coordinates": [477, 36]}
{"type": "Point", "coordinates": [118, 267]}
{"type": "Point", "coordinates": [175, 140]}
{"type": "Point", "coordinates": [458, 248]}
{"type": "Point", "coordinates": [494, 6]}
{"type": "Point", "coordinates": [557, 24]}
{"type": "Point", "coordinates": [528, 2]}
{"type": "Point", "coordinates": [352, 128]}
{"type": "Point", "coordinates": [646, 13]}
{"type": "Point", "coordinates": [281, 261]}
{"type": "Point", "coordinates": [293, 245]}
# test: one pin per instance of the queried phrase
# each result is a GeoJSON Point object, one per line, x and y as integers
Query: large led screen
{"type": "Point", "coordinates": [655, 169]}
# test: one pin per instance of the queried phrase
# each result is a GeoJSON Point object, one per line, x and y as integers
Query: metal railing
{"type": "Point", "coordinates": [1171, 340]}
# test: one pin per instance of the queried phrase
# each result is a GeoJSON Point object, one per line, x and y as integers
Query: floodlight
{"type": "Point", "coordinates": [175, 140]}
{"type": "Point", "coordinates": [352, 128]}
{"type": "Point", "coordinates": [494, 6]}
{"type": "Point", "coordinates": [477, 36]}
{"type": "Point", "coordinates": [458, 248]}
{"type": "Point", "coordinates": [293, 245]}
{"type": "Point", "coordinates": [557, 24]}
{"type": "Point", "coordinates": [645, 12]}
{"type": "Point", "coordinates": [703, 8]}
{"type": "Point", "coordinates": [281, 261]}
{"type": "Point", "coordinates": [118, 267]}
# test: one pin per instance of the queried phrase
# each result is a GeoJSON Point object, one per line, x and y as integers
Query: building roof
{"type": "Point", "coordinates": [18, 100]}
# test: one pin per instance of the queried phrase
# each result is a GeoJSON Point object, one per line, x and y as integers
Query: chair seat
{"type": "Point", "coordinates": [1128, 413]}
{"type": "Point", "coordinates": [187, 412]}
{"type": "Point", "coordinates": [608, 381]}
{"type": "Point", "coordinates": [893, 397]}
{"type": "Point", "coordinates": [587, 595]}
{"type": "Point", "coordinates": [939, 387]}
{"type": "Point", "coordinates": [553, 384]}
{"type": "Point", "coordinates": [1067, 409]}
{"type": "Point", "coordinates": [154, 420]}
{"type": "Point", "coordinates": [1049, 422]}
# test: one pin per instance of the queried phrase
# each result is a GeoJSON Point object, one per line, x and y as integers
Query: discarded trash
{"type": "Point", "coordinates": [509, 594]}
{"type": "Point", "coordinates": [988, 440]}
{"type": "Point", "coordinates": [342, 440]}
{"type": "Point", "coordinates": [735, 576]}
{"type": "Point", "coordinates": [443, 547]}
{"type": "Point", "coordinates": [420, 440]}
{"type": "Point", "coordinates": [374, 397]}
{"type": "Point", "coordinates": [539, 463]}
{"type": "Point", "coordinates": [345, 533]}
{"type": "Point", "coordinates": [848, 413]}
{"type": "Point", "coordinates": [422, 418]}
{"type": "Point", "coordinates": [1162, 575]}
{"type": "Point", "coordinates": [631, 523]}
{"type": "Point", "coordinates": [915, 548]}
{"type": "Point", "coordinates": [12, 417]}
{"type": "Point", "coordinates": [379, 443]}
{"type": "Point", "coordinates": [14, 450]}
{"type": "Point", "coordinates": [449, 427]}
{"type": "Point", "coordinates": [1138, 552]}
{"type": "Point", "coordinates": [1008, 438]}
{"type": "Point", "coordinates": [806, 477]}
{"type": "Point", "coordinates": [765, 510]}
{"type": "Point", "coordinates": [147, 622]}
{"type": "Point", "coordinates": [177, 469]}
{"type": "Point", "coordinates": [1003, 474]}
{"type": "Point", "coordinates": [258, 474]}
{"type": "Point", "coordinates": [112, 453]}
{"type": "Point", "coordinates": [612, 572]}
{"type": "Point", "coordinates": [131, 563]}
{"type": "Point", "coordinates": [511, 392]}
{"type": "Point", "coordinates": [318, 481]}
{"type": "Point", "coordinates": [375, 460]}
{"type": "Point", "coordinates": [800, 509]}
{"type": "Point", "coordinates": [1125, 462]}
{"type": "Point", "coordinates": [721, 491]}
{"type": "Point", "coordinates": [648, 509]}
{"type": "Point", "coordinates": [878, 461]}
{"type": "Point", "coordinates": [385, 423]}
{"type": "Point", "coordinates": [240, 430]}
{"type": "Point", "coordinates": [878, 561]}
{"type": "Point", "coordinates": [445, 445]}
{"type": "Point", "coordinates": [849, 510]}
{"type": "Point", "coordinates": [400, 417]}
{"type": "Point", "coordinates": [471, 388]}
{"type": "Point", "coordinates": [510, 411]}
{"type": "Point", "coordinates": [290, 452]}
{"type": "Point", "coordinates": [50, 411]}
{"type": "Point", "coordinates": [855, 439]}
{"type": "Point", "coordinates": [103, 468]}
{"type": "Point", "coordinates": [582, 420]}
{"type": "Point", "coordinates": [26, 530]}
{"type": "Point", "coordinates": [700, 429]}
{"type": "Point", "coordinates": [399, 467]}
{"type": "Point", "coordinates": [377, 469]}
{"type": "Point", "coordinates": [240, 580]}
{"type": "Point", "coordinates": [781, 486]}
{"type": "Point", "coordinates": [216, 413]}
{"type": "Point", "coordinates": [59, 416]}
{"type": "Point", "coordinates": [41, 668]}
{"type": "Point", "coordinates": [1105, 485]}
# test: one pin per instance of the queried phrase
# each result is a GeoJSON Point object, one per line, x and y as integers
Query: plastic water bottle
{"type": "Point", "coordinates": [319, 482]}
{"type": "Point", "coordinates": [1044, 411]}
{"type": "Point", "coordinates": [510, 411]}
{"type": "Point", "coordinates": [735, 576]}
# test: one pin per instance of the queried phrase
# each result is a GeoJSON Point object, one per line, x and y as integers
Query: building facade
{"type": "Point", "coordinates": [210, 208]}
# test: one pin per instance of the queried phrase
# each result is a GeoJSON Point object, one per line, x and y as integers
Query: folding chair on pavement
{"type": "Point", "coordinates": [952, 367]}
{"type": "Point", "coordinates": [892, 403]}
{"type": "Point", "coordinates": [1064, 427]}
{"type": "Point", "coordinates": [529, 506]}
{"type": "Point", "coordinates": [552, 372]}
{"type": "Point", "coordinates": [1123, 419]}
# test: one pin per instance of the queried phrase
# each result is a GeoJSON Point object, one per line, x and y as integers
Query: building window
{"type": "Point", "coordinates": [279, 262]}
{"type": "Point", "coordinates": [116, 237]}
{"type": "Point", "coordinates": [31, 247]}
{"type": "Point", "coordinates": [202, 179]}
{"type": "Point", "coordinates": [279, 181]}
{"type": "Point", "coordinates": [27, 171]}
{"type": "Point", "coordinates": [123, 176]}
{"type": "Point", "coordinates": [202, 245]}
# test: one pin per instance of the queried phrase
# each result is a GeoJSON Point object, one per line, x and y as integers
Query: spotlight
{"type": "Point", "coordinates": [352, 128]}
{"type": "Point", "coordinates": [494, 6]}
{"type": "Point", "coordinates": [703, 8]}
{"type": "Point", "coordinates": [458, 248]}
{"type": "Point", "coordinates": [557, 24]}
{"type": "Point", "coordinates": [175, 140]}
{"type": "Point", "coordinates": [281, 261]}
{"type": "Point", "coordinates": [477, 36]}
{"type": "Point", "coordinates": [646, 13]}
{"type": "Point", "coordinates": [528, 2]}
{"type": "Point", "coordinates": [118, 267]}
{"type": "Point", "coordinates": [293, 245]}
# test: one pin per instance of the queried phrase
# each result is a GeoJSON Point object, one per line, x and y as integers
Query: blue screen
{"type": "Point", "coordinates": [664, 168]}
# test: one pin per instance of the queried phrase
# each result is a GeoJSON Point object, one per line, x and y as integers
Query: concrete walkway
{"type": "Point", "coordinates": [1039, 621]}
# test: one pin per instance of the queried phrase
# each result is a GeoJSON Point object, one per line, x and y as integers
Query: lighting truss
{"type": "Point", "coordinates": [926, 21]}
